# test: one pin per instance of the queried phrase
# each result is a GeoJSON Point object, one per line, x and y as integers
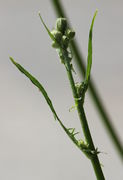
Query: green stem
{"type": "Point", "coordinates": [84, 124]}
{"type": "Point", "coordinates": [93, 91]}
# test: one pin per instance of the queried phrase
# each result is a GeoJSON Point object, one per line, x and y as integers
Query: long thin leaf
{"type": "Point", "coordinates": [47, 29]}
{"type": "Point", "coordinates": [36, 83]}
{"type": "Point", "coordinates": [43, 91]}
{"type": "Point", "coordinates": [89, 59]}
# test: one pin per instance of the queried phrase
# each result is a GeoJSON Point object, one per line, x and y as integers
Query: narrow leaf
{"type": "Point", "coordinates": [47, 29]}
{"type": "Point", "coordinates": [36, 83]}
{"type": "Point", "coordinates": [89, 59]}
{"type": "Point", "coordinates": [43, 91]}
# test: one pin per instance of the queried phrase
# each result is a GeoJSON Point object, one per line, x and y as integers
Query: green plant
{"type": "Point", "coordinates": [61, 38]}
{"type": "Point", "coordinates": [79, 60]}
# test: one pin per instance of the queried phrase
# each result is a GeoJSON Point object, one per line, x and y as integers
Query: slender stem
{"type": "Point", "coordinates": [93, 91]}
{"type": "Point", "coordinates": [84, 124]}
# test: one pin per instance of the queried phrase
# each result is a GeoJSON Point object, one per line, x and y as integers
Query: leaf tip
{"type": "Point", "coordinates": [39, 13]}
{"type": "Point", "coordinates": [96, 11]}
{"type": "Point", "coordinates": [12, 60]}
{"type": "Point", "coordinates": [95, 14]}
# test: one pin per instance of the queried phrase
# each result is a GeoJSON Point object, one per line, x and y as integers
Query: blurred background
{"type": "Point", "coordinates": [32, 145]}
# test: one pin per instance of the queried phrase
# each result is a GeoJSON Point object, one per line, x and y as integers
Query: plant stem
{"type": "Point", "coordinates": [84, 124]}
{"type": "Point", "coordinates": [93, 91]}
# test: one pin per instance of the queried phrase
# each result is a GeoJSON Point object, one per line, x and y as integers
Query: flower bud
{"type": "Point", "coordinates": [82, 144]}
{"type": "Point", "coordinates": [65, 41]}
{"type": "Point", "coordinates": [57, 35]}
{"type": "Point", "coordinates": [70, 33]}
{"type": "Point", "coordinates": [55, 45]}
{"type": "Point", "coordinates": [61, 24]}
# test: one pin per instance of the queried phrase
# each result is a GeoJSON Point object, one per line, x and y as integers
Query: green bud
{"type": "Point", "coordinates": [79, 89]}
{"type": "Point", "coordinates": [65, 41]}
{"type": "Point", "coordinates": [61, 24]}
{"type": "Point", "coordinates": [55, 45]}
{"type": "Point", "coordinates": [70, 33]}
{"type": "Point", "coordinates": [82, 144]}
{"type": "Point", "coordinates": [57, 35]}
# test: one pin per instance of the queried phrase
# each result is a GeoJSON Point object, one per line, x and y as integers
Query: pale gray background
{"type": "Point", "coordinates": [32, 145]}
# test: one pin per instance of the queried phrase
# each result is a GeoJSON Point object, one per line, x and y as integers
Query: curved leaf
{"type": "Point", "coordinates": [43, 91]}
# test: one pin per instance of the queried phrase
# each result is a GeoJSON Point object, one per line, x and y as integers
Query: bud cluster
{"type": "Point", "coordinates": [62, 34]}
